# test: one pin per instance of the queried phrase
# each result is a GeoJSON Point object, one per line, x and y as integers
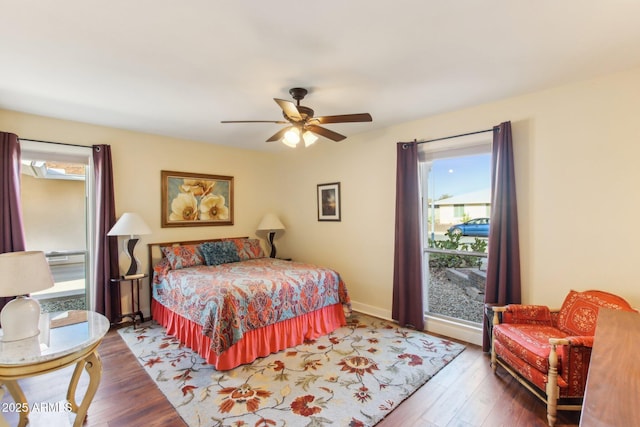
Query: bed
{"type": "Point", "coordinates": [227, 301]}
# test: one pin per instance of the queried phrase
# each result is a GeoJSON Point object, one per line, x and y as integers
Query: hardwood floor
{"type": "Point", "coordinates": [464, 393]}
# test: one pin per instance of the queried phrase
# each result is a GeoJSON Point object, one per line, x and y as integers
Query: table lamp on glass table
{"type": "Point", "coordinates": [22, 273]}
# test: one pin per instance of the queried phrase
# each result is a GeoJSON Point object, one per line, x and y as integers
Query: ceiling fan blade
{"type": "Point", "coordinates": [280, 122]}
{"type": "Point", "coordinates": [279, 135]}
{"type": "Point", "coordinates": [335, 136]}
{"type": "Point", "coordinates": [344, 118]}
{"type": "Point", "coordinates": [289, 108]}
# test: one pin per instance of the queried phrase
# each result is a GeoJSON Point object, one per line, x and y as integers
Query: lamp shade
{"type": "Point", "coordinates": [291, 137]}
{"type": "Point", "coordinates": [270, 222]}
{"type": "Point", "coordinates": [129, 224]}
{"type": "Point", "coordinates": [24, 272]}
{"type": "Point", "coordinates": [309, 138]}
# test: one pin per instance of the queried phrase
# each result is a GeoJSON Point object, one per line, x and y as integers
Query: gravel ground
{"type": "Point", "coordinates": [63, 304]}
{"type": "Point", "coordinates": [448, 299]}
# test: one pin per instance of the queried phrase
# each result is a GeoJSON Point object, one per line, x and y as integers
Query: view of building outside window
{"type": "Point", "coordinates": [456, 208]}
{"type": "Point", "coordinates": [59, 231]}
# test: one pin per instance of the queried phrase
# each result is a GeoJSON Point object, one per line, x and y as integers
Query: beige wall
{"type": "Point", "coordinates": [576, 152]}
{"type": "Point", "coordinates": [137, 161]}
{"type": "Point", "coordinates": [576, 149]}
{"type": "Point", "coordinates": [52, 210]}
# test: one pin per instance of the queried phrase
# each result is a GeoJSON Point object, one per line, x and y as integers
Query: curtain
{"type": "Point", "coordinates": [11, 226]}
{"type": "Point", "coordinates": [106, 297]}
{"type": "Point", "coordinates": [503, 269]}
{"type": "Point", "coordinates": [407, 306]}
{"type": "Point", "coordinates": [12, 238]}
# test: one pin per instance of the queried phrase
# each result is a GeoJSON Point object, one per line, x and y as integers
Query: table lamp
{"type": "Point", "coordinates": [130, 224]}
{"type": "Point", "coordinates": [271, 223]}
{"type": "Point", "coordinates": [20, 274]}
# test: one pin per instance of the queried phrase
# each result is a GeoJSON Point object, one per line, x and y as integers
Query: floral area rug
{"type": "Point", "coordinates": [353, 377]}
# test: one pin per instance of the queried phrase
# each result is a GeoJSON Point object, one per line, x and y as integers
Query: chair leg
{"type": "Point", "coordinates": [494, 364]}
{"type": "Point", "coordinates": [552, 386]}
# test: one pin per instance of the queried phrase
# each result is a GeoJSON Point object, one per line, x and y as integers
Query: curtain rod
{"type": "Point", "coordinates": [449, 137]}
{"type": "Point", "coordinates": [57, 143]}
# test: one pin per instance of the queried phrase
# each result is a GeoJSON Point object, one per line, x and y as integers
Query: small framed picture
{"type": "Point", "coordinates": [329, 202]}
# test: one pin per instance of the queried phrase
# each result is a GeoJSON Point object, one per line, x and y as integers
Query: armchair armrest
{"type": "Point", "coordinates": [575, 341]}
{"type": "Point", "coordinates": [583, 341]}
{"type": "Point", "coordinates": [552, 384]}
{"type": "Point", "coordinates": [558, 341]}
{"type": "Point", "coordinates": [496, 310]}
{"type": "Point", "coordinates": [525, 314]}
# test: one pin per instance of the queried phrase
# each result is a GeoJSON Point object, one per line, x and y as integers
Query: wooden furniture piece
{"type": "Point", "coordinates": [549, 351]}
{"type": "Point", "coordinates": [73, 338]}
{"type": "Point", "coordinates": [612, 396]}
{"type": "Point", "coordinates": [134, 283]}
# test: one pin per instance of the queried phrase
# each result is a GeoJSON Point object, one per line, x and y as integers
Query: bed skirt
{"type": "Point", "coordinates": [256, 343]}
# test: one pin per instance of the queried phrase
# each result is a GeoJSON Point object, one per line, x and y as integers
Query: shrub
{"type": "Point", "coordinates": [456, 261]}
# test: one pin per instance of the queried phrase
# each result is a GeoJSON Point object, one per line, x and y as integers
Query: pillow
{"type": "Point", "coordinates": [249, 248]}
{"type": "Point", "coordinates": [579, 311]}
{"type": "Point", "coordinates": [183, 256]}
{"type": "Point", "coordinates": [216, 253]}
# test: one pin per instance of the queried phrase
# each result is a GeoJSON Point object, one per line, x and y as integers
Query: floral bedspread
{"type": "Point", "coordinates": [231, 299]}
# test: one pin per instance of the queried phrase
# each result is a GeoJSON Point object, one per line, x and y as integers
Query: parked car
{"type": "Point", "coordinates": [473, 227]}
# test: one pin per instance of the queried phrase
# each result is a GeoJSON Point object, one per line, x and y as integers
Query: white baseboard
{"type": "Point", "coordinates": [371, 310]}
{"type": "Point", "coordinates": [459, 331]}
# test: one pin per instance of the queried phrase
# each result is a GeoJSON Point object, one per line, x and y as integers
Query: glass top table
{"type": "Point", "coordinates": [67, 338]}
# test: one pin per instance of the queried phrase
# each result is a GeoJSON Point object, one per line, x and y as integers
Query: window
{"type": "Point", "coordinates": [56, 177]}
{"type": "Point", "coordinates": [456, 180]}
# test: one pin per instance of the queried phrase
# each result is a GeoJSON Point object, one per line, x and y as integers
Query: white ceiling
{"type": "Point", "coordinates": [178, 68]}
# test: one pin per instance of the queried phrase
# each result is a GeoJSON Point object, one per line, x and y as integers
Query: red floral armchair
{"type": "Point", "coordinates": [548, 351]}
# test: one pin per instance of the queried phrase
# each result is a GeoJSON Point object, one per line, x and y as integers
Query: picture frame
{"type": "Point", "coordinates": [196, 199]}
{"type": "Point", "coordinates": [329, 202]}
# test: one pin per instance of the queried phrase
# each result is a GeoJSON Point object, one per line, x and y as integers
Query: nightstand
{"type": "Point", "coordinates": [134, 282]}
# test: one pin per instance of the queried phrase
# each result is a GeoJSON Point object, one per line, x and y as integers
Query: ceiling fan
{"type": "Point", "coordinates": [302, 123]}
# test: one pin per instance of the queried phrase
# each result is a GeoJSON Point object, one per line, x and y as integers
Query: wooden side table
{"type": "Point", "coordinates": [134, 282]}
{"type": "Point", "coordinates": [73, 338]}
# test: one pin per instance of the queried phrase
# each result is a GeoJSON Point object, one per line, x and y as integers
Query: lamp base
{"type": "Point", "coordinates": [129, 263]}
{"type": "Point", "coordinates": [272, 234]}
{"type": "Point", "coordinates": [20, 319]}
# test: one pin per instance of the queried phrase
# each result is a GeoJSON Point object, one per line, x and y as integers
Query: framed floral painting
{"type": "Point", "coordinates": [329, 202]}
{"type": "Point", "coordinates": [195, 199]}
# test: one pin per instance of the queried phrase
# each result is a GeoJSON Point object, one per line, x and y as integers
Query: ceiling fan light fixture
{"type": "Point", "coordinates": [302, 124]}
{"type": "Point", "coordinates": [309, 138]}
{"type": "Point", "coordinates": [291, 137]}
